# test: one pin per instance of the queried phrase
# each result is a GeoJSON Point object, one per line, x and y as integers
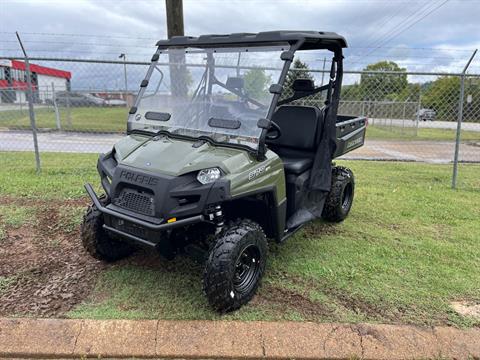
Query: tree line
{"type": "Point", "coordinates": [441, 94]}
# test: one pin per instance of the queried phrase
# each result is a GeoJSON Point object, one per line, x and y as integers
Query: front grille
{"type": "Point", "coordinates": [136, 201]}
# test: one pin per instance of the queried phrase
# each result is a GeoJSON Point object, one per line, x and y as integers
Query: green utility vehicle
{"type": "Point", "coordinates": [222, 153]}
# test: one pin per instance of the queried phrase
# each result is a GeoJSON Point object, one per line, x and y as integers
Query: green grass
{"type": "Point", "coordinates": [81, 119]}
{"type": "Point", "coordinates": [408, 248]}
{"type": "Point", "coordinates": [167, 291]}
{"type": "Point", "coordinates": [398, 133]}
{"type": "Point", "coordinates": [12, 216]}
{"type": "Point", "coordinates": [5, 282]}
{"type": "Point", "coordinates": [15, 217]}
{"type": "Point", "coordinates": [70, 217]}
{"type": "Point", "coordinates": [62, 176]}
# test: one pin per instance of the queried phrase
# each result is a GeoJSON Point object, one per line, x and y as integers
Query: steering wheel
{"type": "Point", "coordinates": [277, 132]}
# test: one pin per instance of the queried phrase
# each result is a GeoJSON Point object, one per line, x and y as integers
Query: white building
{"type": "Point", "coordinates": [13, 81]}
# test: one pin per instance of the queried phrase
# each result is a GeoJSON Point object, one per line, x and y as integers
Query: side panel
{"type": "Point", "coordinates": [265, 175]}
{"type": "Point", "coordinates": [350, 135]}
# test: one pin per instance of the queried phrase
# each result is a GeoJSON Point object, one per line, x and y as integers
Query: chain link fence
{"type": "Point", "coordinates": [82, 105]}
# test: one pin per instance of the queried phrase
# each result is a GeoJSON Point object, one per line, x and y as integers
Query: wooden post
{"type": "Point", "coordinates": [174, 17]}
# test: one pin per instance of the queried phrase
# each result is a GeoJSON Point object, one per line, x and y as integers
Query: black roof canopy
{"type": "Point", "coordinates": [312, 39]}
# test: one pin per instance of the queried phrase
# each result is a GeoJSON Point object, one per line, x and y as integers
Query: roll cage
{"type": "Point", "coordinates": [297, 40]}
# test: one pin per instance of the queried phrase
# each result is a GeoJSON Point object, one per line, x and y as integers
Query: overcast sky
{"type": "Point", "coordinates": [375, 29]}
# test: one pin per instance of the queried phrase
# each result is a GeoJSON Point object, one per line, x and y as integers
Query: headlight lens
{"type": "Point", "coordinates": [207, 176]}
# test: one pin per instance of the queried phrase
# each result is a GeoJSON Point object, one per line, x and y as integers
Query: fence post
{"type": "Point", "coordinates": [391, 116]}
{"type": "Point", "coordinates": [459, 122]}
{"type": "Point", "coordinates": [417, 116]}
{"type": "Point", "coordinates": [55, 107]}
{"type": "Point", "coordinates": [125, 78]}
{"type": "Point", "coordinates": [31, 110]}
{"type": "Point", "coordinates": [69, 115]}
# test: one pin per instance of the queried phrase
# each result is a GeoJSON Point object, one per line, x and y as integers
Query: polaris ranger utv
{"type": "Point", "coordinates": [222, 153]}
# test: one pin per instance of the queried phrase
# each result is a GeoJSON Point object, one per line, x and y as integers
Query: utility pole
{"type": "Point", "coordinates": [174, 18]}
{"type": "Point", "coordinates": [174, 9]}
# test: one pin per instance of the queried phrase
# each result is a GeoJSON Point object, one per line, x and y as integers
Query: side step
{"type": "Point", "coordinates": [290, 232]}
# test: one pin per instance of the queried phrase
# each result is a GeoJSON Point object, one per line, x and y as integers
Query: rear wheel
{"type": "Point", "coordinates": [235, 266]}
{"type": "Point", "coordinates": [97, 241]}
{"type": "Point", "coordinates": [340, 198]}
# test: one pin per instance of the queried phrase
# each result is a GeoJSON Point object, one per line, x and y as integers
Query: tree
{"type": "Point", "coordinates": [380, 87]}
{"type": "Point", "coordinates": [256, 83]}
{"type": "Point", "coordinates": [292, 75]}
{"type": "Point", "coordinates": [443, 96]}
{"type": "Point", "coordinates": [352, 92]}
{"type": "Point", "coordinates": [410, 93]}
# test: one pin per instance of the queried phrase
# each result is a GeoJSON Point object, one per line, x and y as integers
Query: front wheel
{"type": "Point", "coordinates": [235, 266]}
{"type": "Point", "coordinates": [340, 198]}
{"type": "Point", "coordinates": [96, 240]}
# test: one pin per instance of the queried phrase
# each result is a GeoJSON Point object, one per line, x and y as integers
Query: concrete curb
{"type": "Point", "coordinates": [51, 338]}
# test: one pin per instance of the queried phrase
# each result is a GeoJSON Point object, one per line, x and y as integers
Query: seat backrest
{"type": "Point", "coordinates": [299, 126]}
{"type": "Point", "coordinates": [303, 85]}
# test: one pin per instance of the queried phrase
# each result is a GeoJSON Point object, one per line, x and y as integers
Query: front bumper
{"type": "Point", "coordinates": [151, 227]}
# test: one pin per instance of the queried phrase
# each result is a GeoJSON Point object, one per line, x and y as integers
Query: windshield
{"type": "Point", "coordinates": [220, 93]}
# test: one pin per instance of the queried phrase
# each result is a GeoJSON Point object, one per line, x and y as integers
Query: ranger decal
{"type": "Point", "coordinates": [353, 142]}
{"type": "Point", "coordinates": [258, 171]}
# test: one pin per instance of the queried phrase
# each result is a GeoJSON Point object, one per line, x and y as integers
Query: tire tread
{"type": "Point", "coordinates": [332, 210]}
{"type": "Point", "coordinates": [218, 266]}
{"type": "Point", "coordinates": [96, 241]}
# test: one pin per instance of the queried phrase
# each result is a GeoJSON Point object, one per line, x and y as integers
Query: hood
{"type": "Point", "coordinates": [177, 157]}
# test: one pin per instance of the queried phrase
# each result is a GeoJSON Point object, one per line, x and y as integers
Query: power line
{"type": "Point", "coordinates": [392, 56]}
{"type": "Point", "coordinates": [79, 52]}
{"type": "Point", "coordinates": [409, 48]}
{"type": "Point", "coordinates": [144, 46]}
{"type": "Point", "coordinates": [398, 24]}
{"type": "Point", "coordinates": [382, 23]}
{"type": "Point", "coordinates": [409, 26]}
{"type": "Point", "coordinates": [76, 43]}
{"type": "Point", "coordinates": [388, 18]}
{"type": "Point", "coordinates": [85, 35]}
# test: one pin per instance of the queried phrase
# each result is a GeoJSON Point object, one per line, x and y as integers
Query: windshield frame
{"type": "Point", "coordinates": [275, 89]}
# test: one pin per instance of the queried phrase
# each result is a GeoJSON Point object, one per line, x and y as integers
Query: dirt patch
{"type": "Point", "coordinates": [286, 299]}
{"type": "Point", "coordinates": [467, 308]}
{"type": "Point", "coordinates": [359, 306]}
{"type": "Point", "coordinates": [48, 270]}
{"type": "Point", "coordinates": [341, 299]}
{"type": "Point", "coordinates": [318, 229]}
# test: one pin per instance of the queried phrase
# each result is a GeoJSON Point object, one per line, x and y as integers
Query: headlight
{"type": "Point", "coordinates": [207, 176]}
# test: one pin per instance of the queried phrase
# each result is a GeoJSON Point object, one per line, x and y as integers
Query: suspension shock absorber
{"type": "Point", "coordinates": [215, 215]}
